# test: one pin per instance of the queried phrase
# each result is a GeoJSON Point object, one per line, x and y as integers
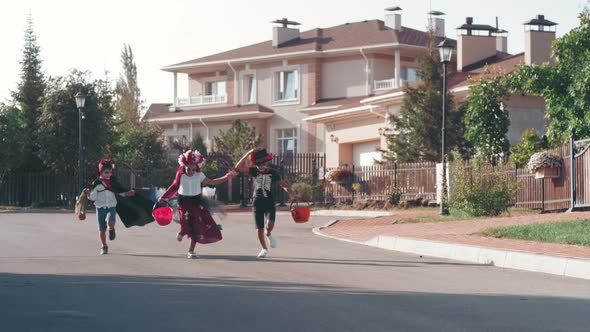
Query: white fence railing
{"type": "Point", "coordinates": [202, 100]}
{"type": "Point", "coordinates": [386, 84]}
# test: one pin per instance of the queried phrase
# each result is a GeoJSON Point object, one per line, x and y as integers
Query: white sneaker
{"type": "Point", "coordinates": [263, 253]}
{"type": "Point", "coordinates": [192, 255]}
{"type": "Point", "coordinates": [179, 237]}
{"type": "Point", "coordinates": [272, 241]}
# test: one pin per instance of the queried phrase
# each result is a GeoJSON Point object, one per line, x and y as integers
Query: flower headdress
{"type": "Point", "coordinates": [191, 158]}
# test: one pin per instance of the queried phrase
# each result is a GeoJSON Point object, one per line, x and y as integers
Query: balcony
{"type": "Point", "coordinates": [387, 84]}
{"type": "Point", "coordinates": [202, 100]}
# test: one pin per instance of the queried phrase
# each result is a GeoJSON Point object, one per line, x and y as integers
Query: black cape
{"type": "Point", "coordinates": [133, 211]}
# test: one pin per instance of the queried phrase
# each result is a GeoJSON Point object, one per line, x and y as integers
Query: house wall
{"type": "Point", "coordinates": [471, 49]}
{"type": "Point", "coordinates": [343, 77]}
{"type": "Point", "coordinates": [525, 112]}
{"type": "Point", "coordinates": [347, 133]}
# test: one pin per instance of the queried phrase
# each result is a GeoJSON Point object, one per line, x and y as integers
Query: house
{"type": "Point", "coordinates": [331, 90]}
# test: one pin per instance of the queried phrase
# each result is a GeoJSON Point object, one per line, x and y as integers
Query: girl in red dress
{"type": "Point", "coordinates": [195, 219]}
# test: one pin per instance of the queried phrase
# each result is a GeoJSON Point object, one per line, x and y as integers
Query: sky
{"type": "Point", "coordinates": [89, 35]}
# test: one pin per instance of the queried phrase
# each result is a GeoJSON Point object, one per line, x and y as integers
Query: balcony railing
{"type": "Point", "coordinates": [202, 100]}
{"type": "Point", "coordinates": [387, 84]}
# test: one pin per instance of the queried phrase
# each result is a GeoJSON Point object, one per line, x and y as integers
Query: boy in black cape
{"type": "Point", "coordinates": [110, 198]}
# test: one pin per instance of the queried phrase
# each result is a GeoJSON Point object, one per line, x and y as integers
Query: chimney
{"type": "Point", "coordinates": [501, 39]}
{"type": "Point", "coordinates": [283, 34]}
{"type": "Point", "coordinates": [538, 35]}
{"type": "Point", "coordinates": [475, 42]}
{"type": "Point", "coordinates": [393, 20]}
{"type": "Point", "coordinates": [437, 23]}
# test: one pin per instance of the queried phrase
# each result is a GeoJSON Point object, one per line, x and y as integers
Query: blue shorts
{"type": "Point", "coordinates": [104, 215]}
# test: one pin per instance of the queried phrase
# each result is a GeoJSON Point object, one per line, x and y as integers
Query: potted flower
{"type": "Point", "coordinates": [338, 175]}
{"type": "Point", "coordinates": [545, 165]}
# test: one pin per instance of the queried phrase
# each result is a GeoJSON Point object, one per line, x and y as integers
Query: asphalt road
{"type": "Point", "coordinates": [52, 279]}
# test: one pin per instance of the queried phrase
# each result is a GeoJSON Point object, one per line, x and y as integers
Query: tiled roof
{"type": "Point", "coordinates": [349, 35]}
{"type": "Point", "coordinates": [156, 109]}
{"type": "Point", "coordinates": [207, 111]}
{"type": "Point", "coordinates": [500, 63]}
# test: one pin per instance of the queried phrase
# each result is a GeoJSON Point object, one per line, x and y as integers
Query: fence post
{"type": "Point", "coordinates": [314, 179]}
{"type": "Point", "coordinates": [242, 202]}
{"type": "Point", "coordinates": [572, 171]}
{"type": "Point", "coordinates": [282, 192]}
{"type": "Point", "coordinates": [351, 182]}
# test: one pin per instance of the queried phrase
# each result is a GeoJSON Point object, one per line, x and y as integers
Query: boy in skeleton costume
{"type": "Point", "coordinates": [255, 163]}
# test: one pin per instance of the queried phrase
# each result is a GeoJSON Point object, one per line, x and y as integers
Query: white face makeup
{"type": "Point", "coordinates": [190, 170]}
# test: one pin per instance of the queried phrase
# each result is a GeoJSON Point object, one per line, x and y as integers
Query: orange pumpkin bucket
{"type": "Point", "coordinates": [162, 214]}
{"type": "Point", "coordinates": [300, 214]}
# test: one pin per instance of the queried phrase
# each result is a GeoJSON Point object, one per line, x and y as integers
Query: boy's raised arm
{"type": "Point", "coordinates": [242, 164]}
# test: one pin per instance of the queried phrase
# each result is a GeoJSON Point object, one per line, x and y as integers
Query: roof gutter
{"type": "Point", "coordinates": [173, 68]}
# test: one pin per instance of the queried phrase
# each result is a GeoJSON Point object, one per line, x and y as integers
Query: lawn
{"type": "Point", "coordinates": [459, 215]}
{"type": "Point", "coordinates": [567, 232]}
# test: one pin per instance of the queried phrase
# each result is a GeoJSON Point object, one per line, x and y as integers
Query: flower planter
{"type": "Point", "coordinates": [547, 172]}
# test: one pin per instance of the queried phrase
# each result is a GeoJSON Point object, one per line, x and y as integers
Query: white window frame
{"type": "Point", "coordinates": [213, 79]}
{"type": "Point", "coordinates": [274, 86]}
{"type": "Point", "coordinates": [279, 138]}
{"type": "Point", "coordinates": [243, 93]}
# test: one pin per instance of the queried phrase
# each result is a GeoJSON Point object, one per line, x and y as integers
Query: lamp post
{"type": "Point", "coordinates": [445, 49]}
{"type": "Point", "coordinates": [80, 100]}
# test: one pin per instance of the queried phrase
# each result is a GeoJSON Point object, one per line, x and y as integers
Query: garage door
{"type": "Point", "coordinates": [365, 154]}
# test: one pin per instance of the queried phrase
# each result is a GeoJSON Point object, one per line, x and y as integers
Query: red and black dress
{"type": "Point", "coordinates": [193, 210]}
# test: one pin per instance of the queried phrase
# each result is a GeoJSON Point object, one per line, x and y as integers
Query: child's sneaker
{"type": "Point", "coordinates": [263, 253]}
{"type": "Point", "coordinates": [192, 255]}
{"type": "Point", "coordinates": [104, 250]}
{"type": "Point", "coordinates": [112, 234]}
{"type": "Point", "coordinates": [272, 241]}
{"type": "Point", "coordinates": [179, 237]}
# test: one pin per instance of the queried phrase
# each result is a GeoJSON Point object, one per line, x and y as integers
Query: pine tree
{"type": "Point", "coordinates": [416, 131]}
{"type": "Point", "coordinates": [29, 96]}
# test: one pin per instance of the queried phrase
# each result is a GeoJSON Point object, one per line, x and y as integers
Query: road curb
{"type": "Point", "coordinates": [563, 266]}
{"type": "Point", "coordinates": [351, 213]}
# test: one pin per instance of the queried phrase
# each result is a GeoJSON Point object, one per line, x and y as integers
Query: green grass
{"type": "Point", "coordinates": [567, 232]}
{"type": "Point", "coordinates": [458, 215]}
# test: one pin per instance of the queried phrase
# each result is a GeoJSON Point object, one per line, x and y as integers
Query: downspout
{"type": "Point", "coordinates": [236, 94]}
{"type": "Point", "coordinates": [367, 71]}
{"type": "Point", "coordinates": [207, 131]}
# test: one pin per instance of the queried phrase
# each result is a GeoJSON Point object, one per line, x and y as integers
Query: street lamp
{"type": "Point", "coordinates": [445, 49]}
{"type": "Point", "coordinates": [80, 101]}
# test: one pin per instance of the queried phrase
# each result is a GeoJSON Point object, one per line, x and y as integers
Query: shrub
{"type": "Point", "coordinates": [522, 152]}
{"type": "Point", "coordinates": [480, 189]}
{"type": "Point", "coordinates": [304, 190]}
{"type": "Point", "coordinates": [338, 174]}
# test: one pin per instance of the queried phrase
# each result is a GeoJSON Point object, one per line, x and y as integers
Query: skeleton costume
{"type": "Point", "coordinates": [193, 209]}
{"type": "Point", "coordinates": [263, 205]}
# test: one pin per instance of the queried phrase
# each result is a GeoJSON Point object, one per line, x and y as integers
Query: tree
{"type": "Point", "coordinates": [199, 144]}
{"type": "Point", "coordinates": [486, 118]}
{"type": "Point", "coordinates": [128, 93]}
{"type": "Point", "coordinates": [522, 152]}
{"type": "Point", "coordinates": [564, 85]}
{"type": "Point", "coordinates": [58, 123]}
{"type": "Point", "coordinates": [29, 95]}
{"type": "Point", "coordinates": [416, 132]}
{"type": "Point", "coordinates": [238, 139]}
{"type": "Point", "coordinates": [138, 144]}
{"type": "Point", "coordinates": [11, 138]}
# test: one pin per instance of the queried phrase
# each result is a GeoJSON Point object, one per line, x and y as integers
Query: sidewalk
{"type": "Point", "coordinates": [460, 240]}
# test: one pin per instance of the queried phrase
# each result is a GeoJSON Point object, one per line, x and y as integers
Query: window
{"type": "Point", "coordinates": [287, 85]}
{"type": "Point", "coordinates": [248, 90]}
{"type": "Point", "coordinates": [215, 88]}
{"type": "Point", "coordinates": [409, 74]}
{"type": "Point", "coordinates": [287, 140]}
